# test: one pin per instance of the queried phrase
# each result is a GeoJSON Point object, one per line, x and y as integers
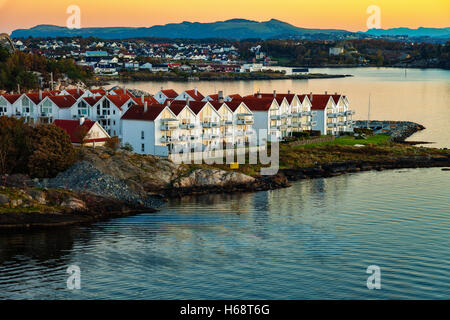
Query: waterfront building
{"type": "Point", "coordinates": [84, 131]}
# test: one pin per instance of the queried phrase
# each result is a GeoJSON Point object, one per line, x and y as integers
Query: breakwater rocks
{"type": "Point", "coordinates": [399, 131]}
{"type": "Point", "coordinates": [84, 177]}
{"type": "Point", "coordinates": [340, 168]}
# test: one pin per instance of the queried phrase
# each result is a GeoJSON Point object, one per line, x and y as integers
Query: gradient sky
{"type": "Point", "coordinates": [338, 14]}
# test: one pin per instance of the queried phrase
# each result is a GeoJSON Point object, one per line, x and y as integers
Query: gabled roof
{"type": "Point", "coordinates": [92, 101]}
{"type": "Point", "coordinates": [123, 92]}
{"type": "Point", "coordinates": [72, 128]}
{"type": "Point", "coordinates": [195, 106]}
{"type": "Point", "coordinates": [34, 97]}
{"type": "Point", "coordinates": [98, 91]}
{"type": "Point", "coordinates": [195, 94]}
{"type": "Point", "coordinates": [233, 105]}
{"type": "Point", "coordinates": [320, 101]}
{"type": "Point", "coordinates": [258, 104]}
{"type": "Point", "coordinates": [170, 93]}
{"type": "Point", "coordinates": [12, 98]}
{"type": "Point", "coordinates": [149, 100]}
{"type": "Point", "coordinates": [119, 100]}
{"type": "Point", "coordinates": [63, 102]}
{"type": "Point", "coordinates": [137, 112]}
{"type": "Point", "coordinates": [176, 108]}
{"type": "Point", "coordinates": [235, 96]}
{"type": "Point", "coordinates": [76, 93]}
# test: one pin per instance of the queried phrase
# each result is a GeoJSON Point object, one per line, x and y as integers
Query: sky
{"type": "Point", "coordinates": [336, 14]}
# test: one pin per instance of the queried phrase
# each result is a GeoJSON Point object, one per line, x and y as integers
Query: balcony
{"type": "Point", "coordinates": [275, 117]}
{"type": "Point", "coordinates": [275, 127]}
{"type": "Point", "coordinates": [341, 123]}
{"type": "Point", "coordinates": [332, 115]}
{"type": "Point", "coordinates": [245, 122]}
{"type": "Point", "coordinates": [227, 123]}
{"type": "Point", "coordinates": [168, 127]}
{"type": "Point", "coordinates": [210, 124]}
{"type": "Point", "coordinates": [166, 139]}
{"type": "Point", "coordinates": [296, 124]}
{"type": "Point", "coordinates": [187, 126]}
{"type": "Point", "coordinates": [332, 125]}
{"type": "Point", "coordinates": [350, 112]}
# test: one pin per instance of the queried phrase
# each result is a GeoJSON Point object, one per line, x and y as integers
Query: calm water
{"type": "Point", "coordinates": [312, 241]}
{"type": "Point", "coordinates": [417, 95]}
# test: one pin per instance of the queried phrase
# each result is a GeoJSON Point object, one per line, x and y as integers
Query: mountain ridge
{"type": "Point", "coordinates": [236, 29]}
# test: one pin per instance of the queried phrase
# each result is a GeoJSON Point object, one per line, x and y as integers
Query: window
{"type": "Point", "coordinates": [47, 107]}
{"type": "Point", "coordinates": [142, 135]}
{"type": "Point", "coordinates": [143, 147]}
{"type": "Point", "coordinates": [114, 122]}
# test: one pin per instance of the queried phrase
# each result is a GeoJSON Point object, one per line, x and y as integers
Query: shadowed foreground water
{"type": "Point", "coordinates": [312, 241]}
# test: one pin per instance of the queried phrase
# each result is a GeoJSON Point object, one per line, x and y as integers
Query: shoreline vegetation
{"type": "Point", "coordinates": [99, 186]}
{"type": "Point", "coordinates": [206, 76]}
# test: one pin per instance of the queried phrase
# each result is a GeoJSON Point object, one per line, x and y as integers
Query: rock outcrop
{"type": "Point", "coordinates": [212, 178]}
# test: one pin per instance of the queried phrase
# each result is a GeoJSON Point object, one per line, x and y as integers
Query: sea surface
{"type": "Point", "coordinates": [419, 95]}
{"type": "Point", "coordinates": [314, 240]}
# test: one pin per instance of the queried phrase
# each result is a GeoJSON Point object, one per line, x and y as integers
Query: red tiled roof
{"type": "Point", "coordinates": [176, 108]}
{"type": "Point", "coordinates": [233, 105]}
{"type": "Point", "coordinates": [63, 102]}
{"type": "Point", "coordinates": [12, 98]}
{"type": "Point", "coordinates": [119, 100]}
{"type": "Point", "coordinates": [124, 92]}
{"type": "Point", "coordinates": [76, 93]}
{"type": "Point", "coordinates": [100, 91]}
{"type": "Point", "coordinates": [72, 127]}
{"type": "Point", "coordinates": [137, 112]}
{"type": "Point", "coordinates": [195, 106]}
{"type": "Point", "coordinates": [92, 101]}
{"type": "Point", "coordinates": [34, 96]}
{"type": "Point", "coordinates": [320, 101]}
{"type": "Point", "coordinates": [258, 104]}
{"type": "Point", "coordinates": [170, 93]}
{"type": "Point", "coordinates": [235, 96]}
{"type": "Point", "coordinates": [196, 97]}
{"type": "Point", "coordinates": [149, 100]}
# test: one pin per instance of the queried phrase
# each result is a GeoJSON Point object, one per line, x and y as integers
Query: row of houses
{"type": "Point", "coordinates": [157, 124]}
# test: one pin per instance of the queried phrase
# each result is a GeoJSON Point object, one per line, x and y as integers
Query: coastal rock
{"type": "Point", "coordinates": [74, 204]}
{"type": "Point", "coordinates": [37, 196]}
{"type": "Point", "coordinates": [213, 178]}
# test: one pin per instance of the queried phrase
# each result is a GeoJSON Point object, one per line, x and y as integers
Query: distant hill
{"type": "Point", "coordinates": [230, 29]}
{"type": "Point", "coordinates": [412, 33]}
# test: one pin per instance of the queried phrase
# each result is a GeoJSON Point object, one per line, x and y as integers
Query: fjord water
{"type": "Point", "coordinates": [419, 95]}
{"type": "Point", "coordinates": [312, 241]}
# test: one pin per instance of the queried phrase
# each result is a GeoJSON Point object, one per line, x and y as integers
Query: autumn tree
{"type": "Point", "coordinates": [52, 152]}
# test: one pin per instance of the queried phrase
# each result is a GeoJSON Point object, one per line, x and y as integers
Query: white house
{"type": "Point", "coordinates": [164, 95]}
{"type": "Point", "coordinates": [94, 134]}
{"type": "Point", "coordinates": [191, 95]}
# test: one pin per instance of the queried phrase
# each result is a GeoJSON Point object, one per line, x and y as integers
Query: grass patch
{"type": "Point", "coordinates": [377, 140]}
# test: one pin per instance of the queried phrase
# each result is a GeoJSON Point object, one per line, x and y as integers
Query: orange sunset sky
{"type": "Point", "coordinates": [341, 14]}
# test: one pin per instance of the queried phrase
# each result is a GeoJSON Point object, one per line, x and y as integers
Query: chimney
{"type": "Point", "coordinates": [220, 97]}
{"type": "Point", "coordinates": [274, 93]}
{"type": "Point", "coordinates": [259, 96]}
{"type": "Point", "coordinates": [78, 90]}
{"type": "Point", "coordinates": [326, 93]}
{"type": "Point", "coordinates": [187, 102]}
{"type": "Point", "coordinates": [145, 107]}
{"type": "Point", "coordinates": [168, 103]}
{"type": "Point", "coordinates": [142, 99]}
{"type": "Point", "coordinates": [311, 97]}
{"type": "Point", "coordinates": [82, 120]}
{"type": "Point", "coordinates": [289, 91]}
{"type": "Point", "coordinates": [124, 90]}
{"type": "Point", "coordinates": [40, 95]}
{"type": "Point", "coordinates": [196, 91]}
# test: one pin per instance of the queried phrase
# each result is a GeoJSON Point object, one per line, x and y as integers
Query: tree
{"type": "Point", "coordinates": [14, 145]}
{"type": "Point", "coordinates": [52, 152]}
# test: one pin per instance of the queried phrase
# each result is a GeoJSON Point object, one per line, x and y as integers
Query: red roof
{"type": "Point", "coordinates": [235, 96]}
{"type": "Point", "coordinates": [119, 100]}
{"type": "Point", "coordinates": [320, 101]}
{"type": "Point", "coordinates": [92, 101]}
{"type": "Point", "coordinates": [195, 94]}
{"type": "Point", "coordinates": [176, 108]}
{"type": "Point", "coordinates": [72, 127]}
{"type": "Point", "coordinates": [63, 102]}
{"type": "Point", "coordinates": [12, 98]}
{"type": "Point", "coordinates": [233, 105]}
{"type": "Point", "coordinates": [76, 93]}
{"type": "Point", "coordinates": [149, 100]}
{"type": "Point", "coordinates": [137, 112]}
{"type": "Point", "coordinates": [258, 104]}
{"type": "Point", "coordinates": [195, 106]}
{"type": "Point", "coordinates": [35, 96]}
{"type": "Point", "coordinates": [170, 93]}
{"type": "Point", "coordinates": [123, 92]}
{"type": "Point", "coordinates": [100, 91]}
